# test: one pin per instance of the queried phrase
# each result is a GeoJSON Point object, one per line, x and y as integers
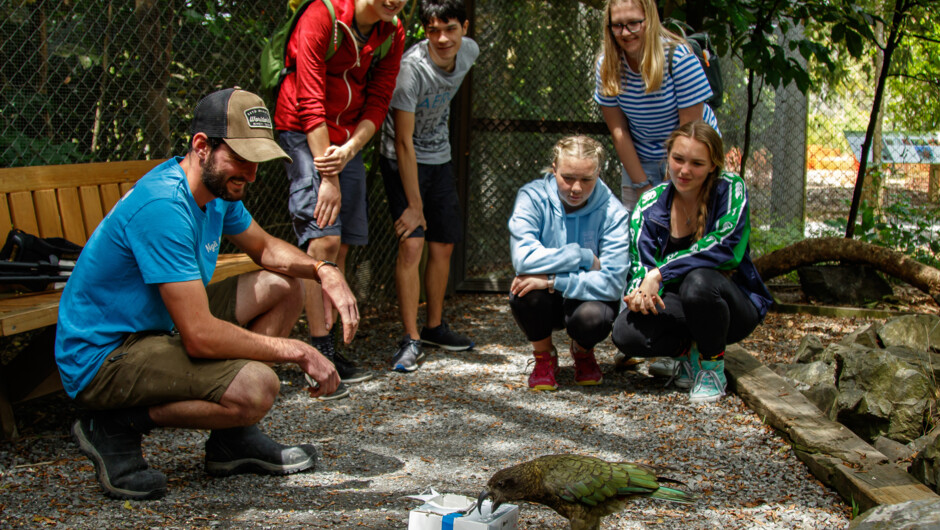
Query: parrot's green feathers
{"type": "Point", "coordinates": [583, 488]}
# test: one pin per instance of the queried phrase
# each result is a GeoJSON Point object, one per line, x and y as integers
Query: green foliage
{"type": "Point", "coordinates": [17, 150]}
{"type": "Point", "coordinates": [765, 240]}
{"type": "Point", "coordinates": [914, 83]}
{"type": "Point", "coordinates": [904, 226]}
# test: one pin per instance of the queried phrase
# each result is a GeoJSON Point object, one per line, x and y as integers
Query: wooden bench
{"type": "Point", "coordinates": [59, 201]}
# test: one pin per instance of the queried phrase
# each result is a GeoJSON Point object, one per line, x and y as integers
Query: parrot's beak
{"type": "Point", "coordinates": [482, 497]}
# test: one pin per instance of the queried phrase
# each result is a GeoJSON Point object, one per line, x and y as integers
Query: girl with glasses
{"type": "Point", "coordinates": [642, 98]}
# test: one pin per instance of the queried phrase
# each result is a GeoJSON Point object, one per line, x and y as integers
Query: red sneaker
{"type": "Point", "coordinates": [586, 370]}
{"type": "Point", "coordinates": [543, 375]}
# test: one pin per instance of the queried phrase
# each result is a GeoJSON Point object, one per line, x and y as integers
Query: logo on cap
{"type": "Point", "coordinates": [258, 118]}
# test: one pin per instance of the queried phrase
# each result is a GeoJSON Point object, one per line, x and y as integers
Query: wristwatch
{"type": "Point", "coordinates": [551, 283]}
{"type": "Point", "coordinates": [320, 263]}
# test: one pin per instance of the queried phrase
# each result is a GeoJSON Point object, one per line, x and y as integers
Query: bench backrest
{"type": "Point", "coordinates": [66, 200]}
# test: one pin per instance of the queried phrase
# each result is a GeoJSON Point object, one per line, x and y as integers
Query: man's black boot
{"type": "Point", "coordinates": [111, 440]}
{"type": "Point", "coordinates": [248, 450]}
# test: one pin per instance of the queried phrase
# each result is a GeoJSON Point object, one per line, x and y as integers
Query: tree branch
{"type": "Point", "coordinates": [816, 250]}
{"type": "Point", "coordinates": [922, 79]}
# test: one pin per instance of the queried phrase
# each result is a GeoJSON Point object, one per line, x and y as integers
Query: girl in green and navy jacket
{"type": "Point", "coordinates": [692, 286]}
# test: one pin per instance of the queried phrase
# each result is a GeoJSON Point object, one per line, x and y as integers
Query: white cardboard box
{"type": "Point", "coordinates": [442, 511]}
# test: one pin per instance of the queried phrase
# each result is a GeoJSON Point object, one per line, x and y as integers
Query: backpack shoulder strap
{"type": "Point", "coordinates": [335, 36]}
{"type": "Point", "coordinates": [669, 54]}
{"type": "Point", "coordinates": [384, 48]}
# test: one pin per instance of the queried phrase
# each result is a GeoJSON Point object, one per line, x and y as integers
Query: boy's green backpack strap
{"type": "Point", "coordinates": [335, 36]}
{"type": "Point", "coordinates": [384, 48]}
{"type": "Point", "coordinates": [274, 52]}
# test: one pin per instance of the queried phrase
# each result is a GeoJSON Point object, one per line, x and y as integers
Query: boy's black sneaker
{"type": "Point", "coordinates": [114, 448]}
{"type": "Point", "coordinates": [444, 337]}
{"type": "Point", "coordinates": [248, 450]}
{"type": "Point", "coordinates": [409, 353]}
{"type": "Point", "coordinates": [348, 371]}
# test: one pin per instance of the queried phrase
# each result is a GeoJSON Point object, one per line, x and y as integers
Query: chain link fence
{"type": "Point", "coordinates": [111, 80]}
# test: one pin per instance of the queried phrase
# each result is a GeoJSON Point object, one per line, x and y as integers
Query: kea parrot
{"type": "Point", "coordinates": [582, 489]}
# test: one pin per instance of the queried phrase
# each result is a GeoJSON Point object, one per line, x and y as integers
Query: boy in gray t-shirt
{"type": "Point", "coordinates": [418, 174]}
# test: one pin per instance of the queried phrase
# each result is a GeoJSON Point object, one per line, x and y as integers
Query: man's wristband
{"type": "Point", "coordinates": [551, 283]}
{"type": "Point", "coordinates": [320, 263]}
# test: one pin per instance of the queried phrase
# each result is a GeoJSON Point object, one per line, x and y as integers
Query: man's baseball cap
{"type": "Point", "coordinates": [242, 121]}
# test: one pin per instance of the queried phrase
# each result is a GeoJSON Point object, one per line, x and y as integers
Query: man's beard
{"type": "Point", "coordinates": [214, 180]}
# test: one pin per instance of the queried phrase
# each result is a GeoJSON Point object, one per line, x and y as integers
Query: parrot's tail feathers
{"type": "Point", "coordinates": [674, 495]}
{"type": "Point", "coordinates": [670, 480]}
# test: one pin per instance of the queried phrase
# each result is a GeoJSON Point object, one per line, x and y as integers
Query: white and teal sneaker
{"type": "Point", "coordinates": [685, 369]}
{"type": "Point", "coordinates": [710, 382]}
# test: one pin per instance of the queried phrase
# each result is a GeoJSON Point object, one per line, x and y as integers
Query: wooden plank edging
{"type": "Point", "coordinates": [834, 454]}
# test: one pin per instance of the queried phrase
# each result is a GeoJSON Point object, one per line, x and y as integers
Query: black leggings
{"type": "Point", "coordinates": [538, 313]}
{"type": "Point", "coordinates": [706, 307]}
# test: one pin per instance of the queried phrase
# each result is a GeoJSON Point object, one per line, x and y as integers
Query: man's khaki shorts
{"type": "Point", "coordinates": [152, 367]}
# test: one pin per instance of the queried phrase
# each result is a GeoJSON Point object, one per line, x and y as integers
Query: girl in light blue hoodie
{"type": "Point", "coordinates": [569, 242]}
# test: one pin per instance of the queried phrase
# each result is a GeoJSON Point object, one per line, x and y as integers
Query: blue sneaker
{"type": "Point", "coordinates": [710, 382]}
{"type": "Point", "coordinates": [444, 337]}
{"type": "Point", "coordinates": [409, 353]}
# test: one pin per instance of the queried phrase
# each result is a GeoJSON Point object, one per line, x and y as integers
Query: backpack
{"type": "Point", "coordinates": [274, 52]}
{"type": "Point", "coordinates": [32, 262]}
{"type": "Point", "coordinates": [701, 46]}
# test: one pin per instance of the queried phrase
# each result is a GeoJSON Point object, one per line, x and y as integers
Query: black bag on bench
{"type": "Point", "coordinates": [34, 262]}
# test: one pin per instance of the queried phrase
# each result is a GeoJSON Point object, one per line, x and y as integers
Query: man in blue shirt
{"type": "Point", "coordinates": [143, 342]}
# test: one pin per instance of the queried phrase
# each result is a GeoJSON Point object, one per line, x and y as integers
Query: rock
{"type": "Point", "coordinates": [843, 284]}
{"type": "Point", "coordinates": [880, 394]}
{"type": "Point", "coordinates": [824, 397]}
{"type": "Point", "coordinates": [866, 337]}
{"type": "Point", "coordinates": [910, 515]}
{"type": "Point", "coordinates": [780, 368]}
{"type": "Point", "coordinates": [927, 361]}
{"type": "Point", "coordinates": [921, 443]}
{"type": "Point", "coordinates": [918, 332]}
{"type": "Point", "coordinates": [836, 353]}
{"type": "Point", "coordinates": [895, 451]}
{"type": "Point", "coordinates": [813, 373]}
{"type": "Point", "coordinates": [926, 464]}
{"type": "Point", "coordinates": [810, 346]}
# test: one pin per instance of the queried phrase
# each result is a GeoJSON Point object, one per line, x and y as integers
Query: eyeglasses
{"type": "Point", "coordinates": [632, 26]}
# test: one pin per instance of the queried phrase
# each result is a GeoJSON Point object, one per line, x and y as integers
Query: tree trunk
{"type": "Point", "coordinates": [42, 84]}
{"type": "Point", "coordinates": [871, 192]}
{"type": "Point", "coordinates": [788, 151]}
{"type": "Point", "coordinates": [751, 105]}
{"type": "Point", "coordinates": [155, 51]}
{"type": "Point", "coordinates": [888, 261]}
{"type": "Point", "coordinates": [103, 79]}
{"type": "Point", "coordinates": [894, 39]}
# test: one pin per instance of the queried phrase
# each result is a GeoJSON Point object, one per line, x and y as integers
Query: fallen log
{"type": "Point", "coordinates": [823, 249]}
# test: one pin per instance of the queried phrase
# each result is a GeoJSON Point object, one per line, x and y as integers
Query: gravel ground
{"type": "Point", "coordinates": [449, 425]}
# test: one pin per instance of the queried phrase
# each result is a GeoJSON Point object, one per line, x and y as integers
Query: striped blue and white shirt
{"type": "Point", "coordinates": [654, 116]}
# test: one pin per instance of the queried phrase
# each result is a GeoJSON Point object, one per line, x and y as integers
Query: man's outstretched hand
{"type": "Point", "coordinates": [337, 295]}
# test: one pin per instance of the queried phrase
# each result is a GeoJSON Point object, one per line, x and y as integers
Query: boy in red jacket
{"type": "Point", "coordinates": [326, 112]}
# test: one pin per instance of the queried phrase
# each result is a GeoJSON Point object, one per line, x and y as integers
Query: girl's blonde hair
{"type": "Point", "coordinates": [702, 132]}
{"type": "Point", "coordinates": [654, 53]}
{"type": "Point", "coordinates": [580, 147]}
